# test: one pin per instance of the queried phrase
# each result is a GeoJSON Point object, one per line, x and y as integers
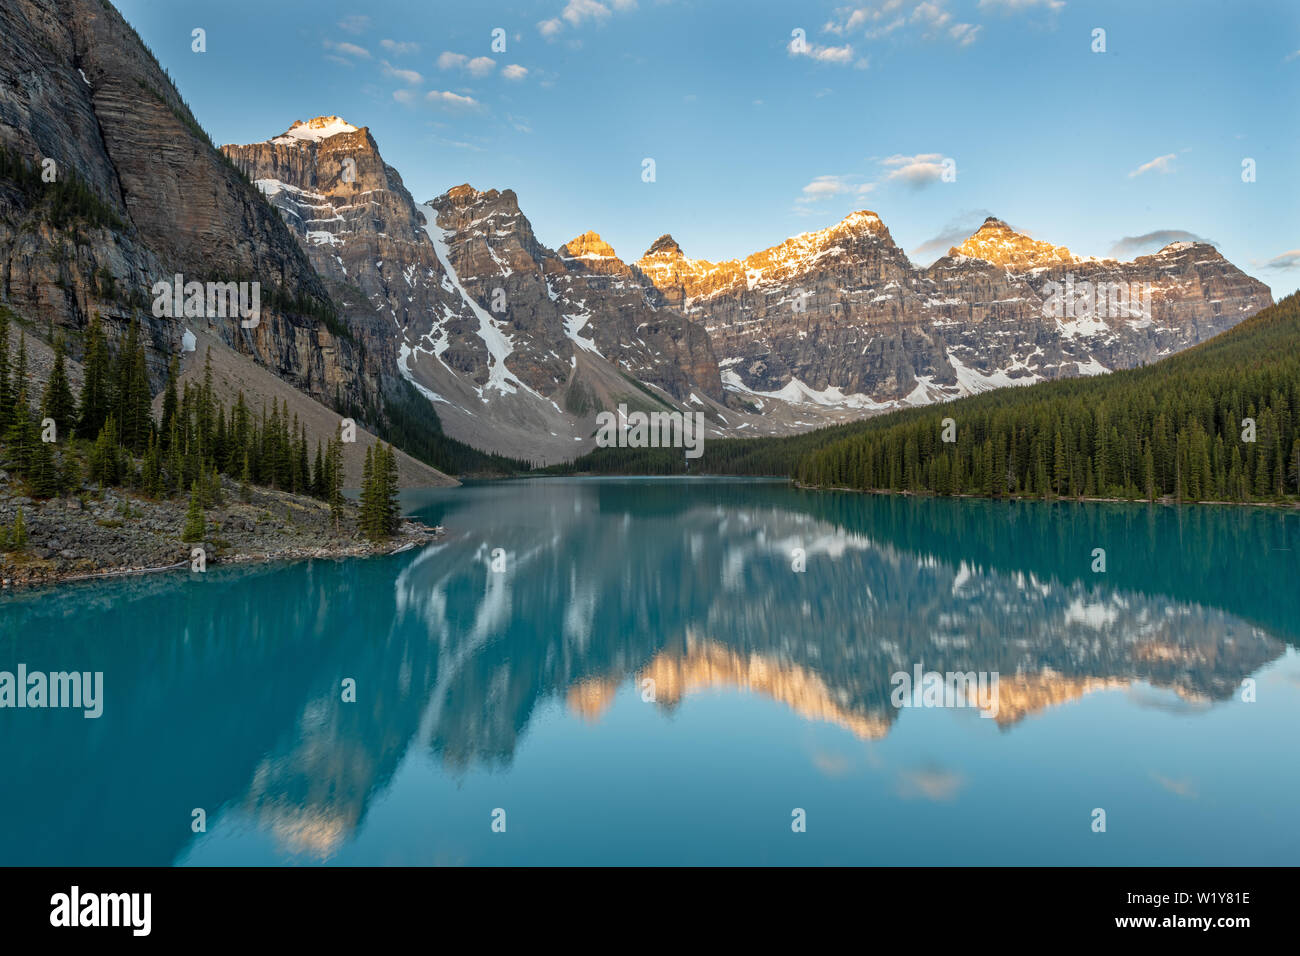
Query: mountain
{"type": "Point", "coordinates": [516, 346]}
{"type": "Point", "coordinates": [140, 195]}
{"type": "Point", "coordinates": [842, 316]}
{"type": "Point", "coordinates": [448, 326]}
{"type": "Point", "coordinates": [1214, 423]}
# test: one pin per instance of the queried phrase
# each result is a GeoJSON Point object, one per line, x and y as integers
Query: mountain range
{"type": "Point", "coordinates": [450, 317]}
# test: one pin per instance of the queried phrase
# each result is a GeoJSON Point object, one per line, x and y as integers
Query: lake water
{"type": "Point", "coordinates": [648, 679]}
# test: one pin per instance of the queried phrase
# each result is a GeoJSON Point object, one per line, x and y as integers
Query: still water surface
{"type": "Point", "coordinates": [526, 690]}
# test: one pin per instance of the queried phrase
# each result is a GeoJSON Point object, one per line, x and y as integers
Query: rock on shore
{"type": "Point", "coordinates": [118, 532]}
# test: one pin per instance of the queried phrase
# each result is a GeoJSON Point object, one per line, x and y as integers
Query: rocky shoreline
{"type": "Point", "coordinates": [115, 533]}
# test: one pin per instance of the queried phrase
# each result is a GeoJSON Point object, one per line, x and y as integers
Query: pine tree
{"type": "Point", "coordinates": [390, 507]}
{"type": "Point", "coordinates": [59, 403]}
{"type": "Point", "coordinates": [136, 402]}
{"type": "Point", "coordinates": [371, 519]}
{"type": "Point", "coordinates": [195, 525]}
{"type": "Point", "coordinates": [43, 477]}
{"type": "Point", "coordinates": [6, 396]}
{"type": "Point", "coordinates": [21, 437]}
{"type": "Point", "coordinates": [103, 459]}
{"type": "Point", "coordinates": [151, 471]}
{"type": "Point", "coordinates": [18, 383]}
{"type": "Point", "coordinates": [303, 468]}
{"type": "Point", "coordinates": [18, 536]}
{"type": "Point", "coordinates": [318, 474]}
{"type": "Point", "coordinates": [334, 473]}
{"type": "Point", "coordinates": [94, 408]}
{"type": "Point", "coordinates": [214, 486]}
{"type": "Point", "coordinates": [1148, 473]}
{"type": "Point", "coordinates": [169, 407]}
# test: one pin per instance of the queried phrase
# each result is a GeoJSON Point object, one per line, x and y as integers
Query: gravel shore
{"type": "Point", "coordinates": [115, 532]}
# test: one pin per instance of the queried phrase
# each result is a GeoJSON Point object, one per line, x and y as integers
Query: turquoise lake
{"type": "Point", "coordinates": [635, 673]}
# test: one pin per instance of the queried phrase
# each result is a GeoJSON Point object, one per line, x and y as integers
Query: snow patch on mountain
{"type": "Point", "coordinates": [972, 381]}
{"type": "Point", "coordinates": [798, 393]}
{"type": "Point", "coordinates": [313, 131]}
{"type": "Point", "coordinates": [499, 345]}
{"type": "Point", "coordinates": [573, 324]}
{"type": "Point", "coordinates": [404, 355]}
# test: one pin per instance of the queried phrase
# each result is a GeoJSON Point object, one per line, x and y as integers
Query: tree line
{"type": "Point", "coordinates": [195, 440]}
{"type": "Point", "coordinates": [1215, 423]}
{"type": "Point", "coordinates": [1218, 422]}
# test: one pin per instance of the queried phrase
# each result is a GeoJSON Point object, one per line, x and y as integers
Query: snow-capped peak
{"type": "Point", "coordinates": [589, 245]}
{"type": "Point", "coordinates": [314, 130]}
{"type": "Point", "coordinates": [996, 242]}
{"type": "Point", "coordinates": [665, 245]}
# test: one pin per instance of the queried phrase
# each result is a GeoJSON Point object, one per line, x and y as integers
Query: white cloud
{"type": "Point", "coordinates": [355, 24]}
{"type": "Point", "coordinates": [577, 11]}
{"type": "Point", "coordinates": [826, 187]}
{"type": "Point", "coordinates": [1287, 260]}
{"type": "Point", "coordinates": [514, 72]}
{"type": "Point", "coordinates": [406, 76]}
{"type": "Point", "coordinates": [862, 16]}
{"type": "Point", "coordinates": [399, 47]}
{"type": "Point", "coordinates": [957, 231]}
{"type": "Point", "coordinates": [348, 49]}
{"type": "Point", "coordinates": [932, 14]}
{"type": "Point", "coordinates": [404, 96]}
{"type": "Point", "coordinates": [1014, 6]}
{"type": "Point", "coordinates": [917, 171]}
{"type": "Point", "coordinates": [839, 55]}
{"type": "Point", "coordinates": [447, 98]}
{"type": "Point", "coordinates": [880, 19]}
{"type": "Point", "coordinates": [1130, 246]}
{"type": "Point", "coordinates": [479, 66]}
{"type": "Point", "coordinates": [1161, 164]}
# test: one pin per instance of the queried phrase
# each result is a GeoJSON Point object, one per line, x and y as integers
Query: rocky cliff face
{"type": "Point", "coordinates": [362, 231]}
{"type": "Point", "coordinates": [629, 322]}
{"type": "Point", "coordinates": [77, 86]}
{"type": "Point", "coordinates": [580, 297]}
{"type": "Point", "coordinates": [841, 316]}
{"type": "Point", "coordinates": [515, 344]}
{"type": "Point", "coordinates": [460, 296]}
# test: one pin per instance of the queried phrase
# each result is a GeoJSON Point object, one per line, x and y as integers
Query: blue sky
{"type": "Point", "coordinates": [756, 136]}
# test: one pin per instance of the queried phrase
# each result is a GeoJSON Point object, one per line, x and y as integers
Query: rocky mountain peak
{"type": "Point", "coordinates": [465, 195]}
{"type": "Point", "coordinates": [462, 193]}
{"type": "Point", "coordinates": [1183, 248]}
{"type": "Point", "coordinates": [998, 243]}
{"type": "Point", "coordinates": [314, 130]}
{"type": "Point", "coordinates": [589, 245]}
{"type": "Point", "coordinates": [864, 220]}
{"type": "Point", "coordinates": [665, 245]}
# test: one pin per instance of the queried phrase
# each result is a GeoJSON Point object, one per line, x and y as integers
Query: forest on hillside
{"type": "Point", "coordinates": [1215, 423]}
{"type": "Point", "coordinates": [108, 436]}
{"type": "Point", "coordinates": [1218, 422]}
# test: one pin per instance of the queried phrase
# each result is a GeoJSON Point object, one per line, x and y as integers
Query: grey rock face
{"type": "Point", "coordinates": [843, 312]}
{"type": "Point", "coordinates": [77, 86]}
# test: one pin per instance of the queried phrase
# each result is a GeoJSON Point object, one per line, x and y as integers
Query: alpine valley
{"type": "Point", "coordinates": [447, 325]}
